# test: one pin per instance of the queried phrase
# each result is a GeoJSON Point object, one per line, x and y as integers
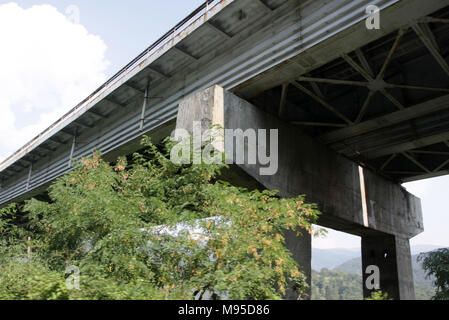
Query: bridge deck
{"type": "Point", "coordinates": [255, 48]}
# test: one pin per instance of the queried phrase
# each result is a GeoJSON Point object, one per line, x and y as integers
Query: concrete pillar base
{"type": "Point", "coordinates": [301, 249]}
{"type": "Point", "coordinates": [391, 254]}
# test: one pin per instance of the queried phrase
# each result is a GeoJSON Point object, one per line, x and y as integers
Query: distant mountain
{"type": "Point", "coordinates": [337, 274]}
{"type": "Point", "coordinates": [343, 281]}
{"type": "Point", "coordinates": [424, 248]}
{"type": "Point", "coordinates": [354, 266]}
{"type": "Point", "coordinates": [423, 285]}
{"type": "Point", "coordinates": [331, 258]}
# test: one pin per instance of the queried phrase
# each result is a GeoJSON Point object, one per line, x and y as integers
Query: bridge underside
{"type": "Point", "coordinates": [377, 98]}
{"type": "Point", "coordinates": [384, 105]}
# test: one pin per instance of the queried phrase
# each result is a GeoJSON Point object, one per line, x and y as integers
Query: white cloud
{"type": "Point", "coordinates": [419, 188]}
{"type": "Point", "coordinates": [335, 239]}
{"type": "Point", "coordinates": [48, 64]}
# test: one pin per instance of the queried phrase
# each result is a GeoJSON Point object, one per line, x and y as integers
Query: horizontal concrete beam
{"type": "Point", "coordinates": [425, 176]}
{"type": "Point", "coordinates": [405, 146]}
{"type": "Point", "coordinates": [352, 199]}
{"type": "Point", "coordinates": [396, 117]}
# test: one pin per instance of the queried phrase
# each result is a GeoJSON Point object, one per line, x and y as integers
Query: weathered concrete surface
{"type": "Point", "coordinates": [392, 255]}
{"type": "Point", "coordinates": [301, 249]}
{"type": "Point", "coordinates": [351, 199]}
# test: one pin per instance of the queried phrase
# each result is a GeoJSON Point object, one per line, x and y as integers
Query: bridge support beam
{"type": "Point", "coordinates": [301, 250]}
{"type": "Point", "coordinates": [351, 199]}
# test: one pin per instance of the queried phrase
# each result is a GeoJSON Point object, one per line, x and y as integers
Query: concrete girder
{"type": "Point", "coordinates": [388, 161]}
{"type": "Point", "coordinates": [415, 161]}
{"type": "Point", "coordinates": [78, 122]}
{"type": "Point", "coordinates": [434, 20]}
{"type": "Point", "coordinates": [46, 148]}
{"type": "Point", "coordinates": [115, 103]}
{"type": "Point", "coordinates": [322, 102]}
{"type": "Point", "coordinates": [57, 141]}
{"type": "Point", "coordinates": [425, 35]}
{"type": "Point", "coordinates": [438, 153]}
{"type": "Point", "coordinates": [441, 166]}
{"type": "Point", "coordinates": [218, 31]}
{"type": "Point", "coordinates": [365, 106]}
{"type": "Point", "coordinates": [418, 176]}
{"type": "Point", "coordinates": [409, 113]}
{"type": "Point", "coordinates": [134, 87]}
{"type": "Point", "coordinates": [98, 115]}
{"type": "Point", "coordinates": [405, 146]}
{"type": "Point", "coordinates": [364, 62]}
{"type": "Point", "coordinates": [318, 124]}
{"type": "Point", "coordinates": [185, 54]}
{"type": "Point", "coordinates": [317, 90]}
{"type": "Point", "coordinates": [377, 84]}
{"type": "Point", "coordinates": [368, 85]}
{"type": "Point", "coordinates": [158, 73]}
{"type": "Point", "coordinates": [264, 6]}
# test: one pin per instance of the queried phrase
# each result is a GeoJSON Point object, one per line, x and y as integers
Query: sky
{"type": "Point", "coordinates": [54, 53]}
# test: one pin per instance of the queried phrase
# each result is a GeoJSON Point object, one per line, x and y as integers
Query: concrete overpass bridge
{"type": "Point", "coordinates": [368, 110]}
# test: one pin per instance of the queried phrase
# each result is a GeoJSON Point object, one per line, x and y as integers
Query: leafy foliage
{"type": "Point", "coordinates": [378, 295]}
{"type": "Point", "coordinates": [151, 229]}
{"type": "Point", "coordinates": [345, 283]}
{"type": "Point", "coordinates": [436, 264]}
{"type": "Point", "coordinates": [336, 285]}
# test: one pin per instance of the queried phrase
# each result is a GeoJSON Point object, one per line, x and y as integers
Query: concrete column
{"type": "Point", "coordinates": [391, 254]}
{"type": "Point", "coordinates": [405, 270]}
{"type": "Point", "coordinates": [301, 249]}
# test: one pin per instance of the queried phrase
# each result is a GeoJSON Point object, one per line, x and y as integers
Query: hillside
{"type": "Point", "coordinates": [344, 281]}
{"type": "Point", "coordinates": [331, 258]}
{"type": "Point", "coordinates": [354, 266]}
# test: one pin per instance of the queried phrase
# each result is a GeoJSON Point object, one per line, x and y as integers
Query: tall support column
{"type": "Point", "coordinates": [391, 254]}
{"type": "Point", "coordinates": [301, 250]}
{"type": "Point", "coordinates": [405, 270]}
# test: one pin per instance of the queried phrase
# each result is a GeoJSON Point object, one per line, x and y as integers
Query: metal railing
{"type": "Point", "coordinates": [168, 36]}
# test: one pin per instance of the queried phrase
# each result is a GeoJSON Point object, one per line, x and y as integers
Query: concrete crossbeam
{"type": "Point", "coordinates": [413, 112]}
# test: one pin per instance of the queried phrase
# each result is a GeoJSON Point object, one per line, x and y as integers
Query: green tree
{"type": "Point", "coordinates": [151, 229]}
{"type": "Point", "coordinates": [436, 264]}
{"type": "Point", "coordinates": [336, 285]}
{"type": "Point", "coordinates": [378, 295]}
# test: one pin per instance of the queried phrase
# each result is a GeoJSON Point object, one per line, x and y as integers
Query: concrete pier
{"type": "Point", "coordinates": [352, 199]}
{"type": "Point", "coordinates": [392, 255]}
